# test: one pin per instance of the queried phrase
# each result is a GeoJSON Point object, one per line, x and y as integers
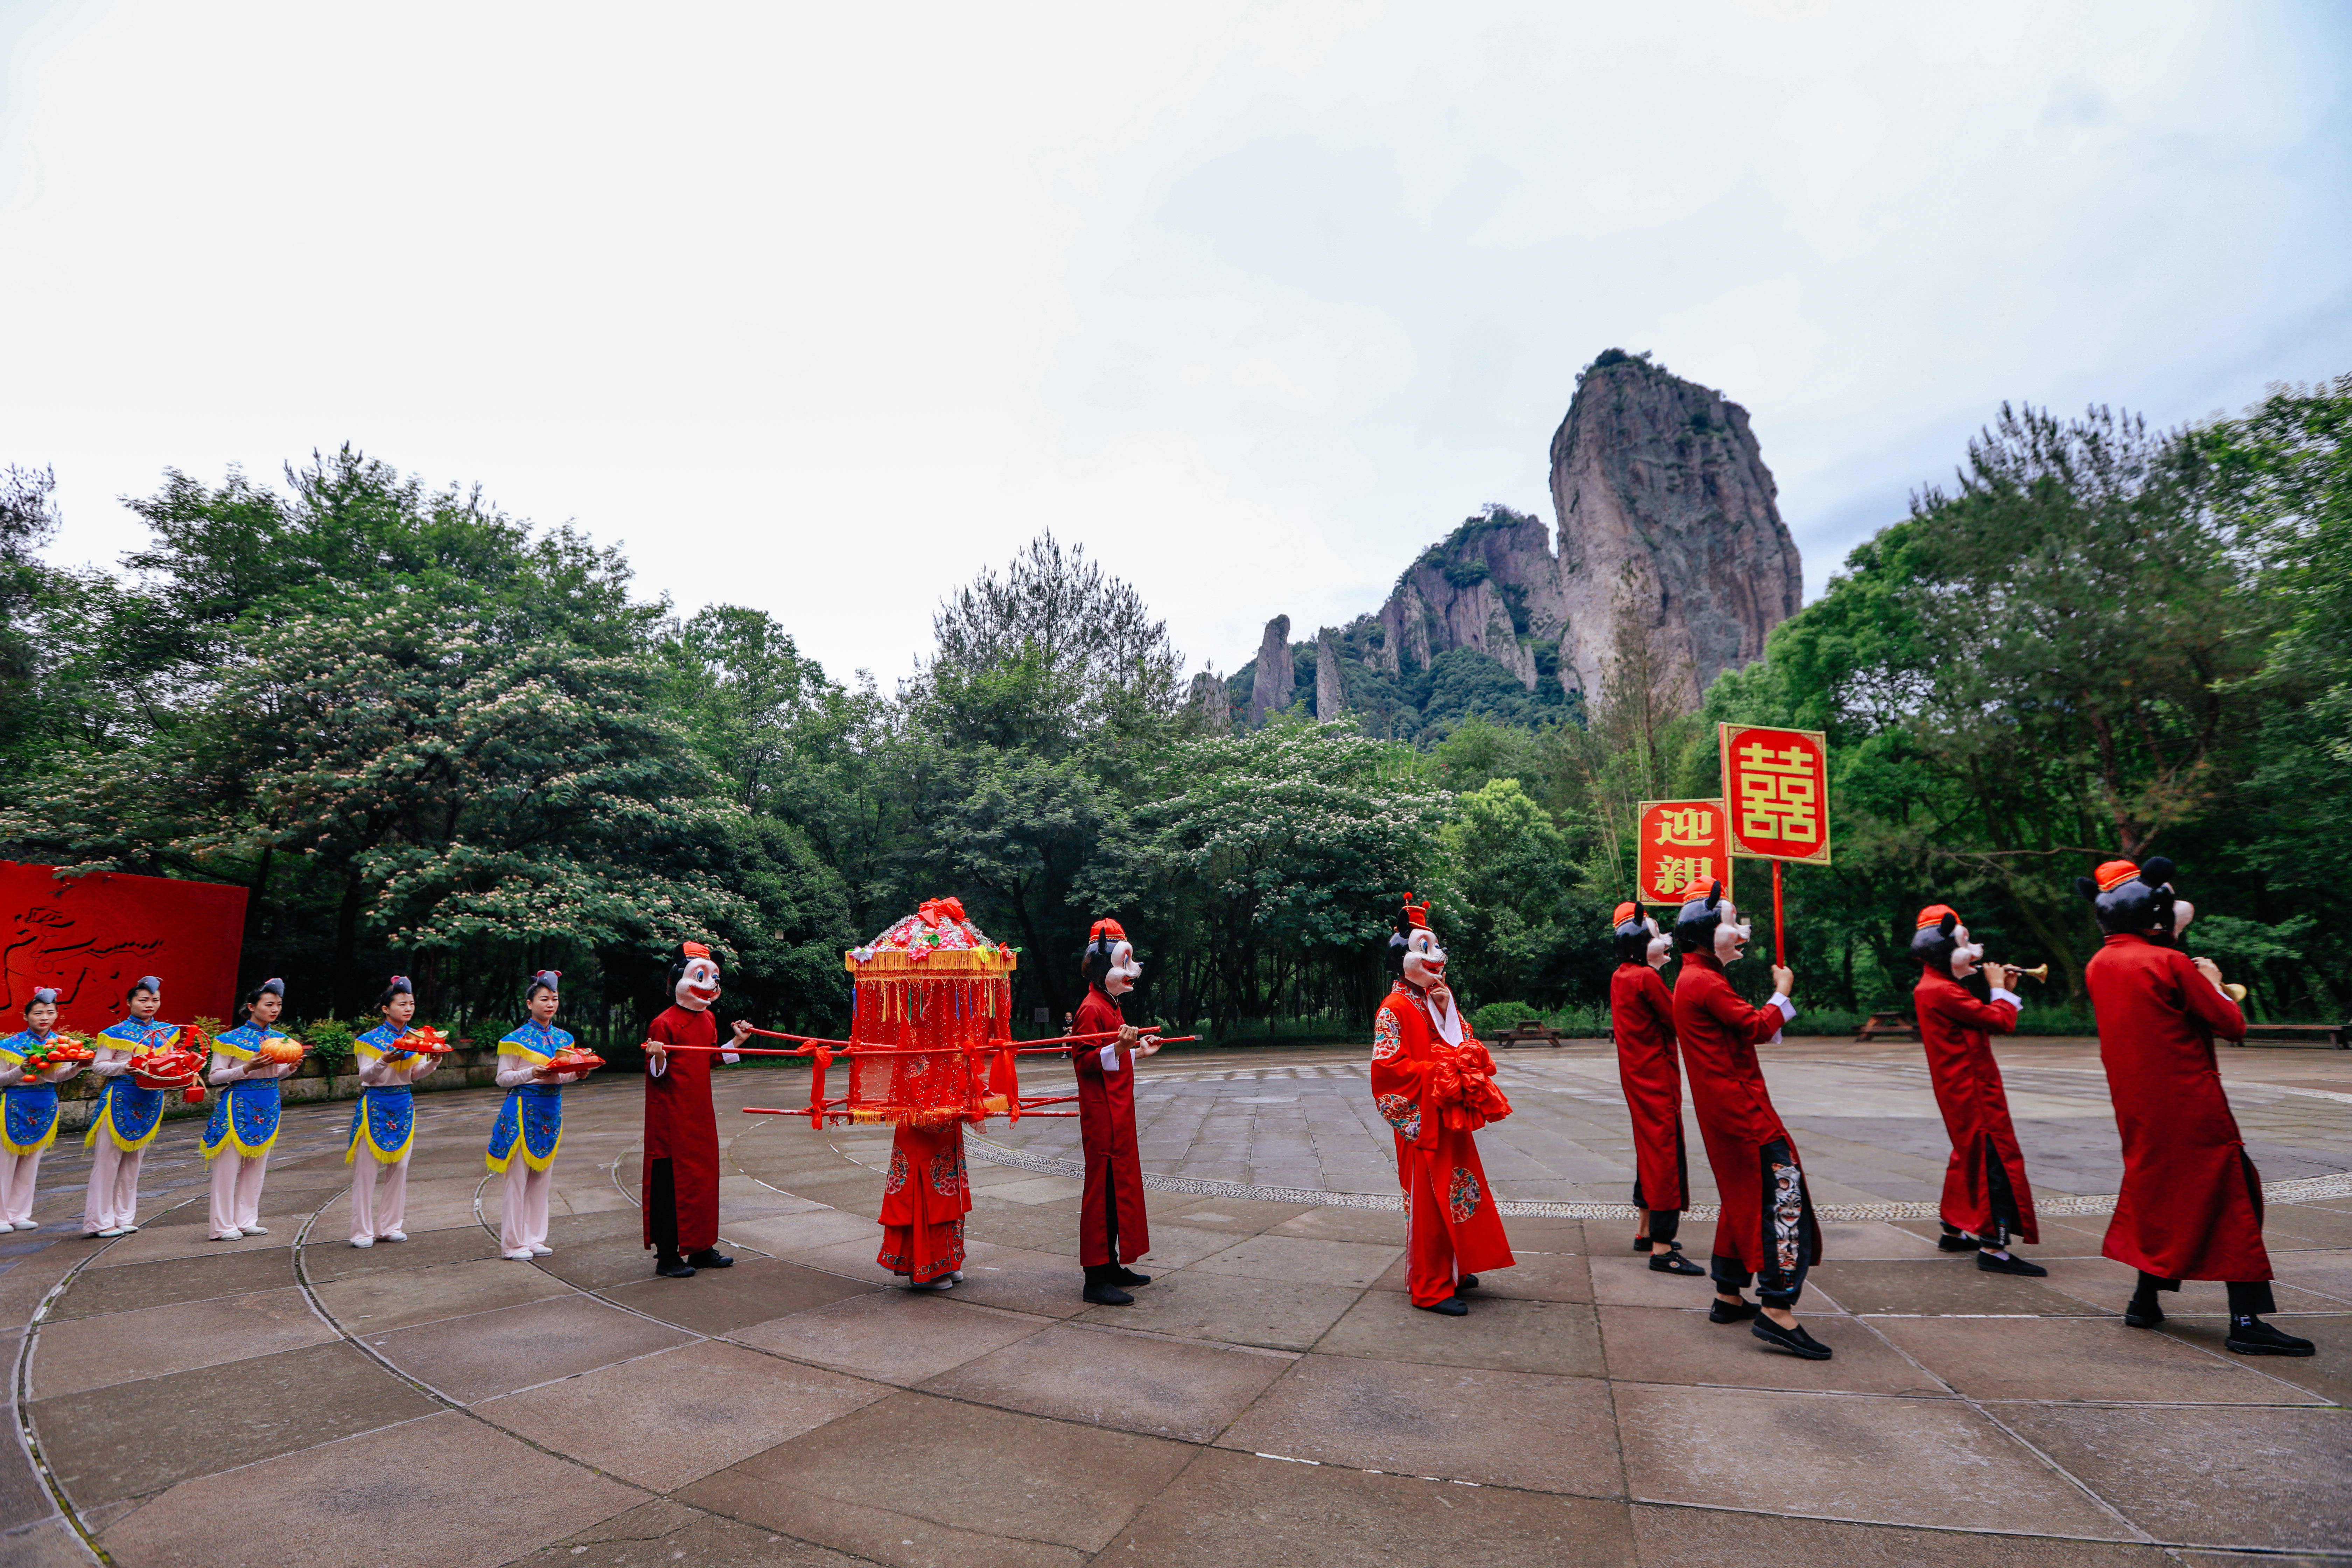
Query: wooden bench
{"type": "Point", "coordinates": [1527, 1035]}
{"type": "Point", "coordinates": [1898, 1024]}
{"type": "Point", "coordinates": [2331, 1034]}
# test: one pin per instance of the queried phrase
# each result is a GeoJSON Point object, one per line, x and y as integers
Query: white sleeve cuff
{"type": "Point", "coordinates": [1111, 1057]}
{"type": "Point", "coordinates": [1787, 1008]}
{"type": "Point", "coordinates": [729, 1057]}
{"type": "Point", "coordinates": [2011, 997]}
{"type": "Point", "coordinates": [657, 1066]}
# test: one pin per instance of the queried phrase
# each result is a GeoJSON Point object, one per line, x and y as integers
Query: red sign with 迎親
{"type": "Point", "coordinates": [92, 937]}
{"type": "Point", "coordinates": [1776, 791]}
{"type": "Point", "coordinates": [1685, 848]}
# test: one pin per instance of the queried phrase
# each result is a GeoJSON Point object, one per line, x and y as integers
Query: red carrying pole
{"type": "Point", "coordinates": [1779, 940]}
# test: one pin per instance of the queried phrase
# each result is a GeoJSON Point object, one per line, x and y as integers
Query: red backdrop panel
{"type": "Point", "coordinates": [94, 935]}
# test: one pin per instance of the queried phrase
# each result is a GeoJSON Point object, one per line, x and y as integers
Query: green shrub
{"type": "Point", "coordinates": [1497, 1015]}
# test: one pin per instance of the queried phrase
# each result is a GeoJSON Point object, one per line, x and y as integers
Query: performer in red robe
{"type": "Point", "coordinates": [925, 1197]}
{"type": "Point", "coordinates": [681, 1170]}
{"type": "Point", "coordinates": [1641, 1021]}
{"type": "Point", "coordinates": [1113, 1229]}
{"type": "Point", "coordinates": [1433, 1084]}
{"type": "Point", "coordinates": [1766, 1229]}
{"type": "Point", "coordinates": [1985, 1197]}
{"type": "Point", "coordinates": [2191, 1204]}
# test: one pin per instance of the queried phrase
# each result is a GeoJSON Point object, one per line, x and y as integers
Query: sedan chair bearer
{"type": "Point", "coordinates": [1642, 1020]}
{"type": "Point", "coordinates": [1433, 1084]}
{"type": "Point", "coordinates": [129, 1115]}
{"type": "Point", "coordinates": [2191, 1204]}
{"type": "Point", "coordinates": [1113, 1229]}
{"type": "Point", "coordinates": [1766, 1230]}
{"type": "Point", "coordinates": [681, 1181]}
{"type": "Point", "coordinates": [385, 1121]}
{"type": "Point", "coordinates": [245, 1118]}
{"type": "Point", "coordinates": [1986, 1198]}
{"type": "Point", "coordinates": [28, 1122]}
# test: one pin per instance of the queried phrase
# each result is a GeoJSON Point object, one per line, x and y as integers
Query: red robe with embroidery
{"type": "Point", "coordinates": [1106, 1137]}
{"type": "Point", "coordinates": [1642, 1018]}
{"type": "Point", "coordinates": [1719, 1033]}
{"type": "Point", "coordinates": [1985, 1180]}
{"type": "Point", "coordinates": [681, 1128]}
{"type": "Point", "coordinates": [1451, 1227]}
{"type": "Point", "coordinates": [924, 1199]}
{"type": "Point", "coordinates": [2192, 1205]}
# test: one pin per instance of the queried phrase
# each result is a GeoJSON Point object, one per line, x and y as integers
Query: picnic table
{"type": "Point", "coordinates": [1526, 1034]}
{"type": "Point", "coordinates": [1897, 1024]}
{"type": "Point", "coordinates": [2339, 1035]}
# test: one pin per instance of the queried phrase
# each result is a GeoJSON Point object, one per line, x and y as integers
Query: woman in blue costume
{"type": "Point", "coordinates": [127, 1117]}
{"type": "Point", "coordinates": [29, 1122]}
{"type": "Point", "coordinates": [385, 1121]}
{"type": "Point", "coordinates": [531, 1123]}
{"type": "Point", "coordinates": [245, 1118]}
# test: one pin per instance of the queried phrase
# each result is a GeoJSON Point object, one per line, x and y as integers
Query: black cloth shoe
{"type": "Point", "coordinates": [1669, 1259]}
{"type": "Point", "coordinates": [1723, 1311]}
{"type": "Point", "coordinates": [1957, 1243]}
{"type": "Point", "coordinates": [1794, 1342]}
{"type": "Point", "coordinates": [2258, 1338]}
{"type": "Point", "coordinates": [1126, 1276]}
{"type": "Point", "coordinates": [710, 1258]}
{"type": "Point", "coordinates": [1641, 1243]}
{"type": "Point", "coordinates": [672, 1266]}
{"type": "Point", "coordinates": [1988, 1264]}
{"type": "Point", "coordinates": [1108, 1295]}
{"type": "Point", "coordinates": [1452, 1307]}
{"type": "Point", "coordinates": [1467, 1282]}
{"type": "Point", "coordinates": [2141, 1314]}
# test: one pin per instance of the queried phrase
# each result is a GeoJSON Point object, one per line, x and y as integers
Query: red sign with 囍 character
{"type": "Point", "coordinates": [1776, 789]}
{"type": "Point", "coordinates": [1685, 846]}
{"type": "Point", "coordinates": [91, 937]}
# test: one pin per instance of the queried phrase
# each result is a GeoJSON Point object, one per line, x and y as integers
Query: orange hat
{"type": "Point", "coordinates": [1629, 910]}
{"type": "Point", "coordinates": [1111, 928]}
{"type": "Point", "coordinates": [1418, 914]}
{"type": "Point", "coordinates": [1933, 915]}
{"type": "Point", "coordinates": [694, 950]}
{"type": "Point", "coordinates": [2114, 874]}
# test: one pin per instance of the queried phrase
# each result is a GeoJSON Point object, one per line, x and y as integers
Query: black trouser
{"type": "Point", "coordinates": [1103, 1273]}
{"type": "Point", "coordinates": [1663, 1222]}
{"type": "Point", "coordinates": [661, 1211]}
{"type": "Point", "coordinates": [1788, 1235]}
{"type": "Point", "coordinates": [2248, 1298]}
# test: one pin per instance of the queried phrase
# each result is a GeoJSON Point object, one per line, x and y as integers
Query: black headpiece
{"type": "Point", "coordinates": [1933, 943]}
{"type": "Point", "coordinates": [1634, 938]}
{"type": "Point", "coordinates": [1695, 924]}
{"type": "Point", "coordinates": [2131, 901]}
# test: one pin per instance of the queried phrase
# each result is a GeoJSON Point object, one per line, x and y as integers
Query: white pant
{"type": "Point", "coordinates": [113, 1196]}
{"type": "Point", "coordinates": [522, 1218]}
{"type": "Point", "coordinates": [237, 1192]}
{"type": "Point", "coordinates": [377, 1209]}
{"type": "Point", "coordinates": [17, 1173]}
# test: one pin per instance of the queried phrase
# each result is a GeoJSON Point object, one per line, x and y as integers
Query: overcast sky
{"type": "Point", "coordinates": [822, 308]}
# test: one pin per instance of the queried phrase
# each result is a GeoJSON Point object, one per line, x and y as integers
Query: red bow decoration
{"type": "Point", "coordinates": [931, 912]}
{"type": "Point", "coordinates": [1461, 1086]}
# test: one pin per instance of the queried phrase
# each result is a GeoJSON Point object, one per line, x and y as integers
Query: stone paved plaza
{"type": "Point", "coordinates": [1270, 1399]}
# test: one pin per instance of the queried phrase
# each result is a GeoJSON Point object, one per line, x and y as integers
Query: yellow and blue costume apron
{"type": "Point", "coordinates": [127, 1113]}
{"type": "Point", "coordinates": [386, 1116]}
{"type": "Point", "coordinates": [532, 1116]}
{"type": "Point", "coordinates": [29, 1122]}
{"type": "Point", "coordinates": [245, 1118]}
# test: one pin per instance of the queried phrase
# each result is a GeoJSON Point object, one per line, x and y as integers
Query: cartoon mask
{"type": "Point", "coordinates": [1413, 951]}
{"type": "Point", "coordinates": [1639, 939]}
{"type": "Point", "coordinates": [1109, 961]}
{"type": "Point", "coordinates": [697, 979]}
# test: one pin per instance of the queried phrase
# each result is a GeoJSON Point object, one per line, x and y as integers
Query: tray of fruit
{"type": "Point", "coordinates": [571, 1058]}
{"type": "Point", "coordinates": [424, 1041]}
{"type": "Point", "coordinates": [165, 1069]}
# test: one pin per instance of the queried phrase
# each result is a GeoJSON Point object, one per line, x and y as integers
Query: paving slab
{"type": "Point", "coordinates": [2080, 1359]}
{"type": "Point", "coordinates": [1948, 1285]}
{"type": "Point", "coordinates": [1233, 1309]}
{"type": "Point", "coordinates": [1663, 1345]}
{"type": "Point", "coordinates": [77, 1354]}
{"type": "Point", "coordinates": [2208, 1477]}
{"type": "Point", "coordinates": [491, 1354]}
{"type": "Point", "coordinates": [662, 1534]}
{"type": "Point", "coordinates": [1304, 1260]}
{"type": "Point", "coordinates": [1229, 1508]}
{"type": "Point", "coordinates": [1132, 1383]}
{"type": "Point", "coordinates": [410, 1495]}
{"type": "Point", "coordinates": [1630, 1282]}
{"type": "Point", "coordinates": [671, 1417]}
{"type": "Point", "coordinates": [126, 1441]}
{"type": "Point", "coordinates": [102, 1290]}
{"type": "Point", "coordinates": [384, 1298]}
{"type": "Point", "coordinates": [333, 1256]}
{"type": "Point", "coordinates": [901, 1482]}
{"type": "Point", "coordinates": [1450, 1422]}
{"type": "Point", "coordinates": [1560, 1338]}
{"type": "Point", "coordinates": [1535, 1277]}
{"type": "Point", "coordinates": [720, 1300]}
{"type": "Point", "coordinates": [1714, 1538]}
{"type": "Point", "coordinates": [893, 1336]}
{"type": "Point", "coordinates": [1841, 1456]}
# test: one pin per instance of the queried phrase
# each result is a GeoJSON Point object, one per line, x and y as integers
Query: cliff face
{"type": "Point", "coordinates": [1665, 507]}
{"type": "Point", "coordinates": [1664, 503]}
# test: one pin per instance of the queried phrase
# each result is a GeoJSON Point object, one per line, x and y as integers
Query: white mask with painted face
{"type": "Point", "coordinates": [1124, 970]}
{"type": "Point", "coordinates": [1731, 933]}
{"type": "Point", "coordinates": [1425, 960]}
{"type": "Point", "coordinates": [2183, 911]}
{"type": "Point", "coordinates": [1966, 954]}
{"type": "Point", "coordinates": [698, 988]}
{"type": "Point", "coordinates": [1662, 946]}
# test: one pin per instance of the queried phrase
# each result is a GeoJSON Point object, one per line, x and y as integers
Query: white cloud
{"type": "Point", "coordinates": [1255, 300]}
